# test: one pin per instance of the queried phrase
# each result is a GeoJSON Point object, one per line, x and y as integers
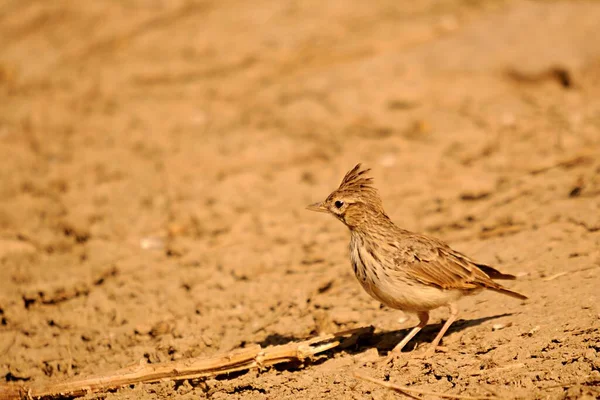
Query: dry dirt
{"type": "Point", "coordinates": [157, 157]}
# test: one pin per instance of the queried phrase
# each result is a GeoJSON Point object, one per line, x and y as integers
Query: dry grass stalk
{"type": "Point", "coordinates": [253, 357]}
{"type": "Point", "coordinates": [415, 393]}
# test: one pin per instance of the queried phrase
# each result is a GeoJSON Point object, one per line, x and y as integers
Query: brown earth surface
{"type": "Point", "coordinates": [157, 157]}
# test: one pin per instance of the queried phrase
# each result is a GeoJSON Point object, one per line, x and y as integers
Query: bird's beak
{"type": "Point", "coordinates": [318, 207]}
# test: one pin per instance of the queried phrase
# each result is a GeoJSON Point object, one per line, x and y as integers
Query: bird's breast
{"type": "Point", "coordinates": [367, 264]}
{"type": "Point", "coordinates": [390, 285]}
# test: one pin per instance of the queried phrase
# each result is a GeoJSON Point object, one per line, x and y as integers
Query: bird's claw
{"type": "Point", "coordinates": [392, 359]}
{"type": "Point", "coordinates": [430, 352]}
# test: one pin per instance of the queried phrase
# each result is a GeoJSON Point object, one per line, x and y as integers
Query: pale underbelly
{"type": "Point", "coordinates": [411, 297]}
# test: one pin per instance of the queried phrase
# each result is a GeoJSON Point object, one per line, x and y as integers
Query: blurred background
{"type": "Point", "coordinates": [157, 157]}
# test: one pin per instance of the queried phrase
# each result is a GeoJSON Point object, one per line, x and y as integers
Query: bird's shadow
{"type": "Point", "coordinates": [386, 341]}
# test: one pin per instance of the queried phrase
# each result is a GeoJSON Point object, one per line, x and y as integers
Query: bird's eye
{"type": "Point", "coordinates": [339, 204]}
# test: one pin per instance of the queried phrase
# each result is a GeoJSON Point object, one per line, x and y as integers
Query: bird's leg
{"type": "Point", "coordinates": [453, 314]}
{"type": "Point", "coordinates": [423, 318]}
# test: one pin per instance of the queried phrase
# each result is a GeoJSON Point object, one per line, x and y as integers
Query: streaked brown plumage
{"type": "Point", "coordinates": [404, 270]}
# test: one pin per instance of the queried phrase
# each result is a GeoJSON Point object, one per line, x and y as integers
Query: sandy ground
{"type": "Point", "coordinates": [157, 157]}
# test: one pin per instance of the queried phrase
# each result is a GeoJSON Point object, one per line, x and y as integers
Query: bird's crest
{"type": "Point", "coordinates": [356, 184]}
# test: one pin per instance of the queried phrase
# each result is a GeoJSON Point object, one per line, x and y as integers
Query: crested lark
{"type": "Point", "coordinates": [404, 270]}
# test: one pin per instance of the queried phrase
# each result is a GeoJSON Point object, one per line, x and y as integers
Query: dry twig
{"type": "Point", "coordinates": [253, 357]}
{"type": "Point", "coordinates": [415, 393]}
{"type": "Point", "coordinates": [558, 275]}
{"type": "Point", "coordinates": [553, 277]}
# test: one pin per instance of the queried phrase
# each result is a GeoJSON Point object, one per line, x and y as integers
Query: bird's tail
{"type": "Point", "coordinates": [494, 273]}
{"type": "Point", "coordinates": [508, 292]}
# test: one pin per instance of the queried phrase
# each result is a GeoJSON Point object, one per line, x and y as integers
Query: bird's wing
{"type": "Point", "coordinates": [433, 263]}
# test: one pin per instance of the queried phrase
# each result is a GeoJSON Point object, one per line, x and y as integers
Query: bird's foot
{"type": "Point", "coordinates": [396, 358]}
{"type": "Point", "coordinates": [393, 359]}
{"type": "Point", "coordinates": [430, 352]}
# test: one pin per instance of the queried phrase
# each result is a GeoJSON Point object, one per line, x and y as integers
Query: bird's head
{"type": "Point", "coordinates": [354, 200]}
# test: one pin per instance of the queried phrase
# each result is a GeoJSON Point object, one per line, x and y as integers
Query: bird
{"type": "Point", "coordinates": [404, 270]}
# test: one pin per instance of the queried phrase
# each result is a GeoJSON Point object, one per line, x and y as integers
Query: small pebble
{"type": "Point", "coordinates": [160, 328]}
{"type": "Point", "coordinates": [497, 327]}
{"type": "Point", "coordinates": [533, 330]}
{"type": "Point", "coordinates": [142, 329]}
{"type": "Point", "coordinates": [152, 243]}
